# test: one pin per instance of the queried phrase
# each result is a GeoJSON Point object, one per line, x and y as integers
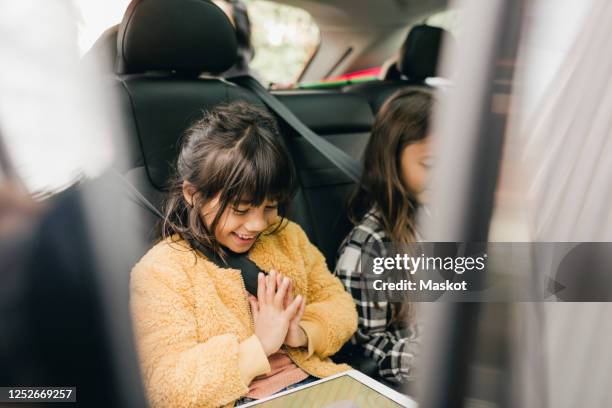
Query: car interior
{"type": "Point", "coordinates": [164, 82]}
{"type": "Point", "coordinates": [163, 89]}
{"type": "Point", "coordinates": [163, 79]}
{"type": "Point", "coordinates": [64, 312]}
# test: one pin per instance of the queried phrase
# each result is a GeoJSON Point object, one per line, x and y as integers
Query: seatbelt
{"type": "Point", "coordinates": [248, 269]}
{"type": "Point", "coordinates": [346, 164]}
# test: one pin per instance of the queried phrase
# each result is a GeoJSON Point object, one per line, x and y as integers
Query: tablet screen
{"type": "Point", "coordinates": [341, 392]}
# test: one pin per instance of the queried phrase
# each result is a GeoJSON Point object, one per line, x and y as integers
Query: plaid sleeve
{"type": "Point", "coordinates": [395, 355]}
{"type": "Point", "coordinates": [394, 350]}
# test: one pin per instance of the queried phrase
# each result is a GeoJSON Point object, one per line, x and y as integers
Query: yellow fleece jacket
{"type": "Point", "coordinates": [193, 324]}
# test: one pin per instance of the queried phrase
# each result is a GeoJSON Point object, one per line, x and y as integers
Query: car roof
{"type": "Point", "coordinates": [367, 13]}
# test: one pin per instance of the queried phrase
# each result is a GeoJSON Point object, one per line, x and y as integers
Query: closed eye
{"type": "Point", "coordinates": [239, 211]}
{"type": "Point", "coordinates": [427, 162]}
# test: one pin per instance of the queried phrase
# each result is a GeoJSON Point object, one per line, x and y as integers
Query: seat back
{"type": "Point", "coordinates": [164, 94]}
{"type": "Point", "coordinates": [157, 75]}
{"type": "Point", "coordinates": [417, 61]}
{"type": "Point", "coordinates": [345, 120]}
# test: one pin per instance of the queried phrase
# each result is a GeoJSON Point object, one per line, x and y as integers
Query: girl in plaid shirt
{"type": "Point", "coordinates": [383, 210]}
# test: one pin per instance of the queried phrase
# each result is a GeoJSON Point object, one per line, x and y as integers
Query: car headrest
{"type": "Point", "coordinates": [188, 36]}
{"type": "Point", "coordinates": [418, 57]}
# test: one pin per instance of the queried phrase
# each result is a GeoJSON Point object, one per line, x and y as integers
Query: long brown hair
{"type": "Point", "coordinates": [402, 120]}
{"type": "Point", "coordinates": [235, 152]}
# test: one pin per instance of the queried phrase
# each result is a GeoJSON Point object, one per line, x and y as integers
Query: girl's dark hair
{"type": "Point", "coordinates": [402, 120]}
{"type": "Point", "coordinates": [235, 151]}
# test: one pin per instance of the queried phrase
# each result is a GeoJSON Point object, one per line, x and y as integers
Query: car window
{"type": "Point", "coordinates": [94, 17]}
{"type": "Point", "coordinates": [52, 121]}
{"type": "Point", "coordinates": [448, 20]}
{"type": "Point", "coordinates": [284, 38]}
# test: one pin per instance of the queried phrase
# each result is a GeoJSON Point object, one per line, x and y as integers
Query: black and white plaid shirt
{"type": "Point", "coordinates": [393, 348]}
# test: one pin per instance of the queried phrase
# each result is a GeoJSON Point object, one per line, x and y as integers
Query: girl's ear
{"type": "Point", "coordinates": [188, 191]}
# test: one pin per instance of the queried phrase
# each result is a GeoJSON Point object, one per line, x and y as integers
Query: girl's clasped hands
{"type": "Point", "coordinates": [277, 314]}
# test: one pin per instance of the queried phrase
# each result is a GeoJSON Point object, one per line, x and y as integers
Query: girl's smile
{"type": "Point", "coordinates": [244, 239]}
{"type": "Point", "coordinates": [239, 226]}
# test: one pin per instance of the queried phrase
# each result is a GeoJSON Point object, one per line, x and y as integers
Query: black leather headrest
{"type": "Point", "coordinates": [190, 36]}
{"type": "Point", "coordinates": [418, 57]}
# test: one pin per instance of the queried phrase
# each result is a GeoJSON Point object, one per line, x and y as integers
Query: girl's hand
{"type": "Point", "coordinates": [296, 337]}
{"type": "Point", "coordinates": [270, 315]}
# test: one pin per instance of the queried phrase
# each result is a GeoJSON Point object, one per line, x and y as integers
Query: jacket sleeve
{"type": "Point", "coordinates": [179, 369]}
{"type": "Point", "coordinates": [329, 318]}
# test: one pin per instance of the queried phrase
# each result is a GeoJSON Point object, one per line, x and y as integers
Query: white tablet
{"type": "Point", "coordinates": [351, 389]}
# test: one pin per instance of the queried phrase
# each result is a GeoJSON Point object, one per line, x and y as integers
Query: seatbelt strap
{"type": "Point", "coordinates": [346, 164]}
{"type": "Point", "coordinates": [248, 269]}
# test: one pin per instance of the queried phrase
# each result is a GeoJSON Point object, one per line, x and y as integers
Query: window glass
{"type": "Point", "coordinates": [53, 121]}
{"type": "Point", "coordinates": [96, 16]}
{"type": "Point", "coordinates": [447, 19]}
{"type": "Point", "coordinates": [284, 38]}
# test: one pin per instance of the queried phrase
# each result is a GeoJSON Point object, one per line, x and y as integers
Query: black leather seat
{"type": "Point", "coordinates": [344, 120]}
{"type": "Point", "coordinates": [417, 61]}
{"type": "Point", "coordinates": [159, 81]}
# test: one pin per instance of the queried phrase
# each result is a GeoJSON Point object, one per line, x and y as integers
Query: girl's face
{"type": "Point", "coordinates": [415, 161]}
{"type": "Point", "coordinates": [239, 227]}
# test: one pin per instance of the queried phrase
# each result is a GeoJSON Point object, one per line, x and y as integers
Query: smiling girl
{"type": "Point", "coordinates": [202, 339]}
